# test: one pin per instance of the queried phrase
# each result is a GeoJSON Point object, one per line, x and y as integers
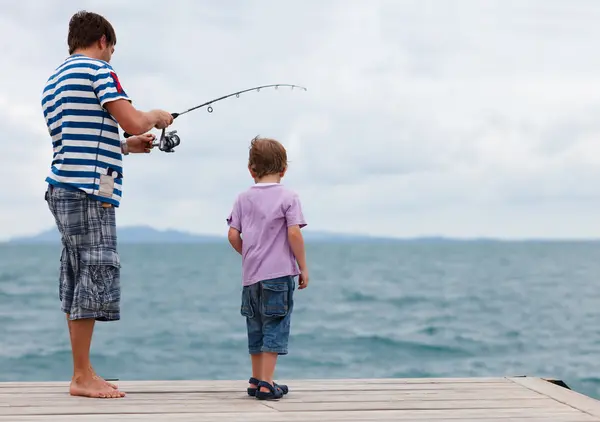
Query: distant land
{"type": "Point", "coordinates": [145, 234]}
{"type": "Point", "coordinates": [150, 235]}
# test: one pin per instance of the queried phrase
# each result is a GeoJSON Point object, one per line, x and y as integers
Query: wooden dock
{"type": "Point", "coordinates": [424, 399]}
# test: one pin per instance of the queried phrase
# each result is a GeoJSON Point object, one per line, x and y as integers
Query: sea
{"type": "Point", "coordinates": [372, 309]}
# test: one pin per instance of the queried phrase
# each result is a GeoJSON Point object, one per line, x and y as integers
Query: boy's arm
{"type": "Point", "coordinates": [235, 239]}
{"type": "Point", "coordinates": [234, 221]}
{"type": "Point", "coordinates": [297, 244]}
{"type": "Point", "coordinates": [295, 221]}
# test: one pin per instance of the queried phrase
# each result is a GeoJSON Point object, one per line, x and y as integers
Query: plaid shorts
{"type": "Point", "coordinates": [89, 282]}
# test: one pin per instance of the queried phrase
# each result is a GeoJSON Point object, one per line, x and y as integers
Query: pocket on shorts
{"type": "Point", "coordinates": [246, 307]}
{"type": "Point", "coordinates": [98, 287]}
{"type": "Point", "coordinates": [71, 211]}
{"type": "Point", "coordinates": [275, 297]}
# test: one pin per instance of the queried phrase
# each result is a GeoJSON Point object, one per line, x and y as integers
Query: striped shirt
{"type": "Point", "coordinates": [85, 137]}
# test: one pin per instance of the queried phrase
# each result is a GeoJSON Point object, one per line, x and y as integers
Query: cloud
{"type": "Point", "coordinates": [462, 118]}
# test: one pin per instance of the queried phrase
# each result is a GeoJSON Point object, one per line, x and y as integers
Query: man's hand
{"type": "Point", "coordinates": [162, 118]}
{"type": "Point", "coordinates": [303, 279]}
{"type": "Point", "coordinates": [140, 143]}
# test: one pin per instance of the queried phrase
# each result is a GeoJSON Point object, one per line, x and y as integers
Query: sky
{"type": "Point", "coordinates": [462, 118]}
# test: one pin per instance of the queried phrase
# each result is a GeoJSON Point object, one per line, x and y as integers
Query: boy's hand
{"type": "Point", "coordinates": [303, 280]}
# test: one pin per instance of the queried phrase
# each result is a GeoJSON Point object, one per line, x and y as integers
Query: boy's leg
{"type": "Point", "coordinates": [276, 308]}
{"type": "Point", "coordinates": [269, 360]}
{"type": "Point", "coordinates": [249, 304]}
{"type": "Point", "coordinates": [256, 368]}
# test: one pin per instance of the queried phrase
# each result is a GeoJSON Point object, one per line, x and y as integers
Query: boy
{"type": "Point", "coordinates": [270, 218]}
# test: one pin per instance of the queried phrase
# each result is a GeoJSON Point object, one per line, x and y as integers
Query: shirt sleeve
{"type": "Point", "coordinates": [107, 86]}
{"type": "Point", "coordinates": [235, 219]}
{"type": "Point", "coordinates": [293, 213]}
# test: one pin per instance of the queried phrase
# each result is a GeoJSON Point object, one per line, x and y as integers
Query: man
{"type": "Point", "coordinates": [83, 104]}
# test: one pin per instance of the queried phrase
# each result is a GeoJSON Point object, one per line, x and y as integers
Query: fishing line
{"type": "Point", "coordinates": [169, 140]}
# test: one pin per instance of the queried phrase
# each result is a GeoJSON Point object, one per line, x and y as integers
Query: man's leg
{"type": "Point", "coordinates": [89, 280]}
{"type": "Point", "coordinates": [80, 348]}
{"type": "Point", "coordinates": [85, 382]}
{"type": "Point", "coordinates": [80, 334]}
{"type": "Point", "coordinates": [99, 291]}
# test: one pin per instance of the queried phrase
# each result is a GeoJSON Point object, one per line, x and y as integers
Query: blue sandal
{"type": "Point", "coordinates": [252, 390]}
{"type": "Point", "coordinates": [274, 393]}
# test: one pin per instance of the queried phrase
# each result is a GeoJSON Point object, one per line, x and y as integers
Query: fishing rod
{"type": "Point", "coordinates": [169, 140]}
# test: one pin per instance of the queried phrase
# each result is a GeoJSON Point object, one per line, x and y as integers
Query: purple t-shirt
{"type": "Point", "coordinates": [262, 214]}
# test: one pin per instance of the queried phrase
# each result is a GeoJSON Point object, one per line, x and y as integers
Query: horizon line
{"type": "Point", "coordinates": [322, 234]}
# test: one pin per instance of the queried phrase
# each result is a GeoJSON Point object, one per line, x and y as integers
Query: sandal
{"type": "Point", "coordinates": [274, 393]}
{"type": "Point", "coordinates": [252, 390]}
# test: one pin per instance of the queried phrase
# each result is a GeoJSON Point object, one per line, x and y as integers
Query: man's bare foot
{"type": "Point", "coordinates": [94, 387]}
{"type": "Point", "coordinates": [110, 384]}
{"type": "Point", "coordinates": [95, 375]}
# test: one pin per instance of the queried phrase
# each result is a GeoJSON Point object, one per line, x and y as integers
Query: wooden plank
{"type": "Point", "coordinates": [300, 383]}
{"type": "Point", "coordinates": [240, 393]}
{"type": "Point", "coordinates": [322, 381]}
{"type": "Point", "coordinates": [317, 390]}
{"type": "Point", "coordinates": [503, 415]}
{"type": "Point", "coordinates": [560, 394]}
{"type": "Point", "coordinates": [286, 406]}
{"type": "Point", "coordinates": [122, 406]}
{"type": "Point", "coordinates": [305, 397]}
{"type": "Point", "coordinates": [176, 387]}
{"type": "Point", "coordinates": [301, 402]}
{"type": "Point", "coordinates": [108, 407]}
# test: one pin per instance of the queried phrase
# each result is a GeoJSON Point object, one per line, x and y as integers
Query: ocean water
{"type": "Point", "coordinates": [446, 309]}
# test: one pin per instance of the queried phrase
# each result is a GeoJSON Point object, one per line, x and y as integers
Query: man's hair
{"type": "Point", "coordinates": [86, 28]}
{"type": "Point", "coordinates": [267, 156]}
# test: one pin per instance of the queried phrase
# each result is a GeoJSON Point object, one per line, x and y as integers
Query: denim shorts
{"type": "Point", "coordinates": [267, 306]}
{"type": "Point", "coordinates": [89, 281]}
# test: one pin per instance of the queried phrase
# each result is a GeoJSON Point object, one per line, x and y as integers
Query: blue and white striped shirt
{"type": "Point", "coordinates": [85, 137]}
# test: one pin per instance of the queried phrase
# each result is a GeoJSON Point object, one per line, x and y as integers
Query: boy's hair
{"type": "Point", "coordinates": [86, 28]}
{"type": "Point", "coordinates": [267, 156]}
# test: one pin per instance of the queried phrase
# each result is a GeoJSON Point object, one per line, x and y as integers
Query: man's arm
{"type": "Point", "coordinates": [235, 239]}
{"type": "Point", "coordinates": [115, 100]}
{"type": "Point", "coordinates": [136, 122]}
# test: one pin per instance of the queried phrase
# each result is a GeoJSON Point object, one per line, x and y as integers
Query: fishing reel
{"type": "Point", "coordinates": [168, 141]}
